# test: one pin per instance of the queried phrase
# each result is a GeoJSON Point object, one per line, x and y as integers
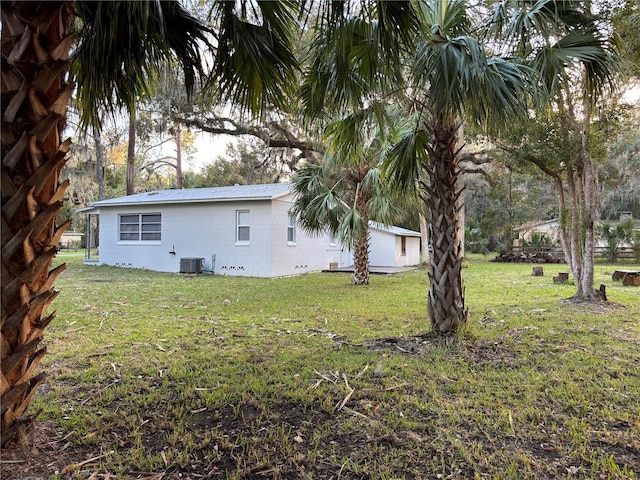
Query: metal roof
{"type": "Point", "coordinates": [395, 230]}
{"type": "Point", "coordinates": [196, 195]}
{"type": "Point", "coordinates": [269, 191]}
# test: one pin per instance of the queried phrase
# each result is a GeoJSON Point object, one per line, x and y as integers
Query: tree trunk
{"type": "Point", "coordinates": [445, 303]}
{"type": "Point", "coordinates": [131, 154]}
{"type": "Point", "coordinates": [178, 157]}
{"type": "Point", "coordinates": [586, 289]}
{"type": "Point", "coordinates": [424, 238]}
{"type": "Point", "coordinates": [361, 244]}
{"type": "Point", "coordinates": [35, 49]}
{"type": "Point", "coordinates": [100, 163]}
{"type": "Point", "coordinates": [581, 183]}
{"type": "Point", "coordinates": [361, 260]}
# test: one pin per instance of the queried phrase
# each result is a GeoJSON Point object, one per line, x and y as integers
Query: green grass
{"type": "Point", "coordinates": [228, 377]}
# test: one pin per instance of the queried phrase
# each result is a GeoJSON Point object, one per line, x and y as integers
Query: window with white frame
{"type": "Point", "coordinates": [243, 229]}
{"type": "Point", "coordinates": [140, 227]}
{"type": "Point", "coordinates": [291, 228]}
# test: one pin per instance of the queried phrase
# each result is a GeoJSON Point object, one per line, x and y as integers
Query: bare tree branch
{"type": "Point", "coordinates": [228, 126]}
{"type": "Point", "coordinates": [490, 180]}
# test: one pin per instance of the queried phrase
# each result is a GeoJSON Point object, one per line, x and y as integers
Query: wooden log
{"type": "Point", "coordinates": [538, 272]}
{"type": "Point", "coordinates": [631, 280]}
{"type": "Point", "coordinates": [619, 274]}
{"type": "Point", "coordinates": [563, 277]}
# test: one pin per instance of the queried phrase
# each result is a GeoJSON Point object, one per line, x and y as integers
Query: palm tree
{"type": "Point", "coordinates": [615, 235]}
{"type": "Point", "coordinates": [453, 77]}
{"type": "Point", "coordinates": [346, 191]}
{"type": "Point", "coordinates": [117, 46]}
{"type": "Point", "coordinates": [456, 73]}
{"type": "Point", "coordinates": [457, 79]}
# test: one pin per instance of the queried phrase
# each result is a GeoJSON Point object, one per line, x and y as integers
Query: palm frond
{"type": "Point", "coordinates": [502, 93]}
{"type": "Point", "coordinates": [448, 16]}
{"type": "Point", "coordinates": [356, 51]}
{"type": "Point", "coordinates": [577, 48]}
{"type": "Point", "coordinates": [254, 63]}
{"type": "Point", "coordinates": [317, 203]}
{"type": "Point", "coordinates": [352, 227]}
{"type": "Point", "coordinates": [120, 46]}
{"type": "Point", "coordinates": [449, 69]}
{"type": "Point", "coordinates": [403, 162]}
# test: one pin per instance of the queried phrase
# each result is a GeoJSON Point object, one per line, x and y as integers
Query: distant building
{"type": "Point", "coordinates": [549, 228]}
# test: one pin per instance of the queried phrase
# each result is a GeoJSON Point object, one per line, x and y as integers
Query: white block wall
{"type": "Point", "coordinates": [386, 249]}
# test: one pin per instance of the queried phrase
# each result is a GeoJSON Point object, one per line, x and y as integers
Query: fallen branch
{"type": "Point", "coordinates": [346, 399]}
{"type": "Point", "coordinates": [75, 466]}
{"type": "Point", "coordinates": [358, 414]}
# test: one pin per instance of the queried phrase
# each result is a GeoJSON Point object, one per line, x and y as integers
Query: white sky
{"type": "Point", "coordinates": [209, 147]}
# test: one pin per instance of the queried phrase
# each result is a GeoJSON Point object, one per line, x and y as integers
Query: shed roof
{"type": "Point", "coordinates": [552, 223]}
{"type": "Point", "coordinates": [403, 232]}
{"type": "Point", "coordinates": [197, 195]}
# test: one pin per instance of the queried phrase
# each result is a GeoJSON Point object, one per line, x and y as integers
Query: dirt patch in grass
{"type": "Point", "coordinates": [244, 442]}
{"type": "Point", "coordinates": [408, 345]}
{"type": "Point", "coordinates": [43, 454]}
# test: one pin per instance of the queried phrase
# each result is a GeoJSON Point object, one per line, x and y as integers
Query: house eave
{"type": "Point", "coordinates": [179, 202]}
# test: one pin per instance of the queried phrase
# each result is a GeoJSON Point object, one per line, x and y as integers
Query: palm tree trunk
{"type": "Point", "coordinates": [445, 303]}
{"type": "Point", "coordinates": [361, 245]}
{"type": "Point", "coordinates": [35, 48]}
{"type": "Point", "coordinates": [361, 260]}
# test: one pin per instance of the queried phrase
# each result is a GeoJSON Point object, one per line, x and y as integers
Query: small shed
{"type": "Point", "coordinates": [393, 246]}
{"type": "Point", "coordinates": [71, 240]}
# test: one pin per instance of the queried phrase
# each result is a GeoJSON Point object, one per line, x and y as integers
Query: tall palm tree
{"type": "Point", "coordinates": [452, 77]}
{"type": "Point", "coordinates": [116, 46]}
{"type": "Point", "coordinates": [457, 79]}
{"type": "Point", "coordinates": [454, 72]}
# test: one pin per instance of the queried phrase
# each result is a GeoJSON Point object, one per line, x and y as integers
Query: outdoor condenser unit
{"type": "Point", "coordinates": [191, 265]}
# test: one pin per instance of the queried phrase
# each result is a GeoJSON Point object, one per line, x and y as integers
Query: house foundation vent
{"type": "Point", "coordinates": [191, 265]}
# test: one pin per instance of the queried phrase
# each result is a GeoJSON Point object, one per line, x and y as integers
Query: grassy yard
{"type": "Point", "coordinates": [166, 376]}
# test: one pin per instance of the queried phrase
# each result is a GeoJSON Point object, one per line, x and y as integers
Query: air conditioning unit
{"type": "Point", "coordinates": [191, 265]}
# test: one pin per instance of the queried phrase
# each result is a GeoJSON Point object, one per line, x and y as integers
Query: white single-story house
{"type": "Point", "coordinates": [244, 230]}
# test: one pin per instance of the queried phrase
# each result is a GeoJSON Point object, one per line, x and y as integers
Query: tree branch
{"type": "Point", "coordinates": [220, 126]}
{"type": "Point", "coordinates": [490, 180]}
{"type": "Point", "coordinates": [538, 162]}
